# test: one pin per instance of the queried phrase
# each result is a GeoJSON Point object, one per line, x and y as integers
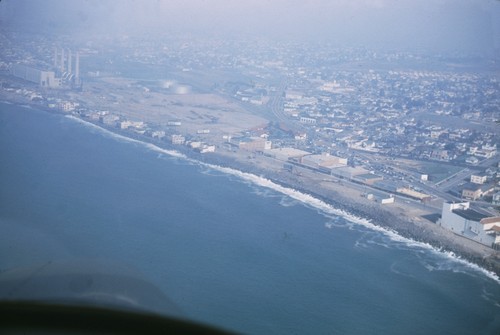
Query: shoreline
{"type": "Point", "coordinates": [402, 224]}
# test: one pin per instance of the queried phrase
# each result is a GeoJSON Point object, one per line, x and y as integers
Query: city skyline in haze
{"type": "Point", "coordinates": [443, 25]}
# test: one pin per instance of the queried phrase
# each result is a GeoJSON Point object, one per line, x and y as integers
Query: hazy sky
{"type": "Point", "coordinates": [429, 24]}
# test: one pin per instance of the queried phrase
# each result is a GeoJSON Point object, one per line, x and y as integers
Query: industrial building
{"type": "Point", "coordinates": [42, 78]}
{"type": "Point", "coordinates": [323, 162]}
{"type": "Point", "coordinates": [285, 154]}
{"type": "Point", "coordinates": [466, 222]}
{"type": "Point", "coordinates": [368, 178]}
{"type": "Point", "coordinates": [255, 144]}
{"type": "Point", "coordinates": [414, 194]}
{"type": "Point", "coordinates": [62, 74]}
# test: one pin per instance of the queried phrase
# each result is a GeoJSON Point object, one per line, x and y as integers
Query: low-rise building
{"type": "Point", "coordinates": [368, 178]}
{"type": "Point", "coordinates": [287, 153]}
{"type": "Point", "coordinates": [207, 148]}
{"type": "Point", "coordinates": [472, 191]}
{"type": "Point", "coordinates": [255, 144]}
{"type": "Point", "coordinates": [110, 119]}
{"type": "Point", "coordinates": [178, 139]}
{"type": "Point", "coordinates": [67, 106]}
{"type": "Point", "coordinates": [132, 124]}
{"type": "Point", "coordinates": [323, 162]}
{"type": "Point", "coordinates": [496, 198]}
{"type": "Point", "coordinates": [414, 194]}
{"type": "Point", "coordinates": [479, 178]}
{"type": "Point", "coordinates": [472, 160]}
{"type": "Point", "coordinates": [159, 134]}
{"type": "Point", "coordinates": [307, 120]}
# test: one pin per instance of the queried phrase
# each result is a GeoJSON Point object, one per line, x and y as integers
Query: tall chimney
{"type": "Point", "coordinates": [55, 57]}
{"type": "Point", "coordinates": [77, 65]}
{"type": "Point", "coordinates": [62, 60]}
{"type": "Point", "coordinates": [69, 61]}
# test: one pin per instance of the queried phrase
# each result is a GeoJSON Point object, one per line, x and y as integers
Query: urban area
{"type": "Point", "coordinates": [393, 127]}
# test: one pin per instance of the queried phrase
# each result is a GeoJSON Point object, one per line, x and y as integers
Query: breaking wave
{"type": "Point", "coordinates": [150, 146]}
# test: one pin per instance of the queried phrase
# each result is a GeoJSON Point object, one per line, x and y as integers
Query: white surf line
{"type": "Point", "coordinates": [148, 145]}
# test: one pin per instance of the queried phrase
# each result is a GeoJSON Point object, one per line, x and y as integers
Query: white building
{"type": "Point", "coordinates": [496, 198]}
{"type": "Point", "coordinates": [42, 78]}
{"type": "Point", "coordinates": [307, 120]}
{"type": "Point", "coordinates": [178, 139]}
{"type": "Point", "coordinates": [67, 106]}
{"type": "Point", "coordinates": [207, 148]}
{"type": "Point", "coordinates": [132, 124]}
{"type": "Point", "coordinates": [472, 160]}
{"type": "Point", "coordinates": [478, 178]}
{"type": "Point", "coordinates": [463, 221]}
{"type": "Point", "coordinates": [159, 134]}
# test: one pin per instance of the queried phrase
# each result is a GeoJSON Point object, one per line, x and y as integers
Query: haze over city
{"type": "Point", "coordinates": [429, 25]}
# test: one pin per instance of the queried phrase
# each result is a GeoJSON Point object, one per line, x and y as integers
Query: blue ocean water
{"type": "Point", "coordinates": [229, 249]}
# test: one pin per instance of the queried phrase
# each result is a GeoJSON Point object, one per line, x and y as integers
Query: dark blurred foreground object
{"type": "Point", "coordinates": [39, 318]}
{"type": "Point", "coordinates": [87, 296]}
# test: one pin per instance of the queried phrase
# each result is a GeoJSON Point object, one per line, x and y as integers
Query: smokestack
{"type": "Point", "coordinates": [55, 57]}
{"type": "Point", "coordinates": [77, 65]}
{"type": "Point", "coordinates": [62, 61]}
{"type": "Point", "coordinates": [69, 61]}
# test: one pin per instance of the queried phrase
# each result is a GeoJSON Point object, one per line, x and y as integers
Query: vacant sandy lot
{"type": "Point", "coordinates": [195, 111]}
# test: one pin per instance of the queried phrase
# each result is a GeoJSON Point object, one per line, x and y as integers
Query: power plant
{"type": "Point", "coordinates": [64, 65]}
{"type": "Point", "coordinates": [61, 75]}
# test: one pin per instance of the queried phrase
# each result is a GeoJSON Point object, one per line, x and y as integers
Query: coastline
{"type": "Point", "coordinates": [425, 233]}
{"type": "Point", "coordinates": [400, 221]}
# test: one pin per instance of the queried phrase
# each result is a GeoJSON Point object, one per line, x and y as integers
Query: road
{"type": "Point", "coordinates": [275, 105]}
{"type": "Point", "coordinates": [454, 180]}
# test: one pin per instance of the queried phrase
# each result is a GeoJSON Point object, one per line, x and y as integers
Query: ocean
{"type": "Point", "coordinates": [229, 249]}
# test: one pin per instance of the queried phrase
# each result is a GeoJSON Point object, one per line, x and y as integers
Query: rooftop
{"type": "Point", "coordinates": [469, 214]}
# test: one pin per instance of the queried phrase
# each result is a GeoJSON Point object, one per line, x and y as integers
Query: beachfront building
{"type": "Point", "coordinates": [286, 154]}
{"type": "Point", "coordinates": [178, 139]}
{"type": "Point", "coordinates": [159, 134]}
{"type": "Point", "coordinates": [255, 144]}
{"type": "Point", "coordinates": [348, 172]}
{"type": "Point", "coordinates": [368, 178]}
{"type": "Point", "coordinates": [323, 162]}
{"type": "Point", "coordinates": [132, 124]}
{"type": "Point", "coordinates": [423, 197]}
{"type": "Point", "coordinates": [466, 222]}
